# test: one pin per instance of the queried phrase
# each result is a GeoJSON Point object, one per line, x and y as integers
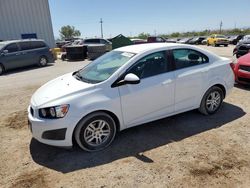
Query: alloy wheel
{"type": "Point", "coordinates": [213, 101]}
{"type": "Point", "coordinates": [97, 133]}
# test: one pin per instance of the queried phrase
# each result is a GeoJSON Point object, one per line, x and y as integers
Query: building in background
{"type": "Point", "coordinates": [22, 19]}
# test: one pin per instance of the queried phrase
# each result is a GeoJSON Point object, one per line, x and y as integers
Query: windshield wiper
{"type": "Point", "coordinates": [78, 76]}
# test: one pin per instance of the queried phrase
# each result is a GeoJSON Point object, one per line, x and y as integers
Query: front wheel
{"type": "Point", "coordinates": [211, 101]}
{"type": "Point", "coordinates": [43, 61]}
{"type": "Point", "coordinates": [1, 69]}
{"type": "Point", "coordinates": [95, 132]}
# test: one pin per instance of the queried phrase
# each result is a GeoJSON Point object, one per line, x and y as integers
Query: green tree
{"type": "Point", "coordinates": [143, 35]}
{"type": "Point", "coordinates": [69, 32]}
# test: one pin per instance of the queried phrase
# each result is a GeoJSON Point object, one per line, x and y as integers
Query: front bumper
{"type": "Point", "coordinates": [55, 132]}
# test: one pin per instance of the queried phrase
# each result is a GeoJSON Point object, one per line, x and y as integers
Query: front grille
{"type": "Point", "coordinates": [244, 79]}
{"type": "Point", "coordinates": [32, 111]}
{"type": "Point", "coordinates": [244, 67]}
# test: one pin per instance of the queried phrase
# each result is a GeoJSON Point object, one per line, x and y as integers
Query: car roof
{"type": "Point", "coordinates": [21, 40]}
{"type": "Point", "coordinates": [140, 48]}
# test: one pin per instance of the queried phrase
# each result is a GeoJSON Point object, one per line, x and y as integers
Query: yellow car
{"type": "Point", "coordinates": [217, 40]}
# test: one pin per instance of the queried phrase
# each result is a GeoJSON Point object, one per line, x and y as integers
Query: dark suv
{"type": "Point", "coordinates": [21, 53]}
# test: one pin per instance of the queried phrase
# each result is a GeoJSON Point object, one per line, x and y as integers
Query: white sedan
{"type": "Point", "coordinates": [126, 87]}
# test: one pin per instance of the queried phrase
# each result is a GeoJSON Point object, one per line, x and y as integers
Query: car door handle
{"type": "Point", "coordinates": [166, 82]}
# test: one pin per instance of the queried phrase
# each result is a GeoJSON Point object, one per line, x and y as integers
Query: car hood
{"type": "Point", "coordinates": [58, 88]}
{"type": "Point", "coordinates": [244, 60]}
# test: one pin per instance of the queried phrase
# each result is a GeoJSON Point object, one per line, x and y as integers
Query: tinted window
{"type": "Point", "coordinates": [150, 65]}
{"type": "Point", "coordinates": [25, 45]}
{"type": "Point", "coordinates": [187, 58]}
{"type": "Point", "coordinates": [38, 44]}
{"type": "Point", "coordinates": [12, 48]}
{"type": "Point", "coordinates": [159, 39]}
{"type": "Point", "coordinates": [92, 41]}
{"type": "Point", "coordinates": [103, 41]}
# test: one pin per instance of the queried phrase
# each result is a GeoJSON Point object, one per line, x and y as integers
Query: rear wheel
{"type": "Point", "coordinates": [1, 69]}
{"type": "Point", "coordinates": [95, 132]}
{"type": "Point", "coordinates": [43, 61]}
{"type": "Point", "coordinates": [211, 101]}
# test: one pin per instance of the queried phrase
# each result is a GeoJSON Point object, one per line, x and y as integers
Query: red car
{"type": "Point", "coordinates": [242, 69]}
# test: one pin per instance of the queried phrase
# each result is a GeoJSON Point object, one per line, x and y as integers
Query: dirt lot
{"type": "Point", "coordinates": [186, 150]}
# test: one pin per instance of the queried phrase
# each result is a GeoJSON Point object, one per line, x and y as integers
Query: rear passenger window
{"type": "Point", "coordinates": [187, 58]}
{"type": "Point", "coordinates": [38, 44]}
{"type": "Point", "coordinates": [25, 45]}
{"type": "Point", "coordinates": [12, 48]}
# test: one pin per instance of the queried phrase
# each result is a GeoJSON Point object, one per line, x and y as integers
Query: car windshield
{"type": "Point", "coordinates": [220, 36]}
{"type": "Point", "coordinates": [103, 67]}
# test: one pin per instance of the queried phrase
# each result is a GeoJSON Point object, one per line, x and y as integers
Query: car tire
{"type": "Point", "coordinates": [211, 101]}
{"type": "Point", "coordinates": [226, 45]}
{"type": "Point", "coordinates": [2, 70]}
{"type": "Point", "coordinates": [43, 61]}
{"type": "Point", "coordinates": [95, 132]}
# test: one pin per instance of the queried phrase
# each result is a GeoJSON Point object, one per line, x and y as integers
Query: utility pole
{"type": "Point", "coordinates": [101, 27]}
{"type": "Point", "coordinates": [220, 26]}
{"type": "Point", "coordinates": [155, 32]}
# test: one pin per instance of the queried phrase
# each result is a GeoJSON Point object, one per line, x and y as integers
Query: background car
{"type": "Point", "coordinates": [196, 40]}
{"type": "Point", "coordinates": [242, 69]}
{"type": "Point", "coordinates": [21, 53]}
{"type": "Point", "coordinates": [105, 42]}
{"type": "Point", "coordinates": [155, 39]}
{"type": "Point", "coordinates": [127, 87]}
{"type": "Point", "coordinates": [242, 47]}
{"type": "Point", "coordinates": [217, 40]}
{"type": "Point", "coordinates": [235, 39]}
{"type": "Point", "coordinates": [138, 41]}
{"type": "Point", "coordinates": [184, 40]}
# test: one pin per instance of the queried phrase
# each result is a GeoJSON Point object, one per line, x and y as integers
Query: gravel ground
{"type": "Point", "coordinates": [186, 150]}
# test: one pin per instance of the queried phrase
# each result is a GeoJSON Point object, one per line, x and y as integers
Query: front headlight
{"type": "Point", "coordinates": [54, 112]}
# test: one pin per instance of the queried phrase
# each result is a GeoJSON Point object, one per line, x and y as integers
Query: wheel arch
{"type": "Point", "coordinates": [115, 118]}
{"type": "Point", "coordinates": [222, 87]}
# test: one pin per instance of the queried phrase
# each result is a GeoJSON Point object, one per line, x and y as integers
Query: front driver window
{"type": "Point", "coordinates": [12, 48]}
{"type": "Point", "coordinates": [150, 65]}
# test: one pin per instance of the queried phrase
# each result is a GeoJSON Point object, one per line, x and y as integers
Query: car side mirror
{"type": "Point", "coordinates": [5, 52]}
{"type": "Point", "coordinates": [130, 78]}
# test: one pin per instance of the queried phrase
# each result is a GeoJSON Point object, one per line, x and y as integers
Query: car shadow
{"type": "Point", "coordinates": [134, 141]}
{"type": "Point", "coordinates": [242, 86]}
{"type": "Point", "coordinates": [26, 69]}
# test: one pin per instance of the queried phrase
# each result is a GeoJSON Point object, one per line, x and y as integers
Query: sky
{"type": "Point", "coordinates": [132, 17]}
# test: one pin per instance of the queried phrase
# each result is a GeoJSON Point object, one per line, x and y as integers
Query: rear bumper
{"type": "Point", "coordinates": [222, 42]}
